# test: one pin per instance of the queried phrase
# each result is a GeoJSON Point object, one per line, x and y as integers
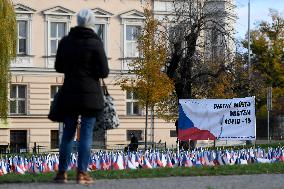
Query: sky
{"type": "Point", "coordinates": [259, 11]}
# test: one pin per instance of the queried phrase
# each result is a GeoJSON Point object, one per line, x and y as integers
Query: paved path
{"type": "Point", "coordinates": [270, 181]}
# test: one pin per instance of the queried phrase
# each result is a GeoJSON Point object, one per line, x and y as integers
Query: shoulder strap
{"type": "Point", "coordinates": [104, 87]}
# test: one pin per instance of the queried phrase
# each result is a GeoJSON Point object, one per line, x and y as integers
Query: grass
{"type": "Point", "coordinates": [274, 168]}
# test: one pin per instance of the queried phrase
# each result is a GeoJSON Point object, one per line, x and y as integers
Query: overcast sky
{"type": "Point", "coordinates": [259, 11]}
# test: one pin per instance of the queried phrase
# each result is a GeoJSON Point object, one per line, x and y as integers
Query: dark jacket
{"type": "Point", "coordinates": [133, 143]}
{"type": "Point", "coordinates": [82, 59]}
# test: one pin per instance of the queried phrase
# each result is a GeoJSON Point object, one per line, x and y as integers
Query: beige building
{"type": "Point", "coordinates": [41, 25]}
{"type": "Point", "coordinates": [212, 41]}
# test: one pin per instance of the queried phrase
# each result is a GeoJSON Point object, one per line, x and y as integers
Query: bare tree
{"type": "Point", "coordinates": [201, 42]}
{"type": "Point", "coordinates": [201, 31]}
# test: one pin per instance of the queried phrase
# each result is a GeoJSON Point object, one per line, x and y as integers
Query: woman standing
{"type": "Point", "coordinates": [82, 59]}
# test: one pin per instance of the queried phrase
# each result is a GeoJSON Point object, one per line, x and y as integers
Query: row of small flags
{"type": "Point", "coordinates": [118, 160]}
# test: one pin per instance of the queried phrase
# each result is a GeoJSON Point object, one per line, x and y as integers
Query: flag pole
{"type": "Point", "coordinates": [249, 58]}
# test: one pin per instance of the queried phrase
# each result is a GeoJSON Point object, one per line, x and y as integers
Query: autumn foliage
{"type": "Point", "coordinates": [150, 84]}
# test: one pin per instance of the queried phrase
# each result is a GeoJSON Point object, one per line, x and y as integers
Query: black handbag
{"type": "Point", "coordinates": [55, 114]}
{"type": "Point", "coordinates": [108, 119]}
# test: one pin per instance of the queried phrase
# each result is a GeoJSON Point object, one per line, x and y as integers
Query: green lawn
{"type": "Point", "coordinates": [274, 168]}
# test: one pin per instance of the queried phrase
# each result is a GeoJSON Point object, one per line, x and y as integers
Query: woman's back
{"type": "Point", "coordinates": [81, 57]}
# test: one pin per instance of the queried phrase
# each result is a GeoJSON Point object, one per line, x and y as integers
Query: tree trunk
{"type": "Point", "coordinates": [146, 125]}
{"type": "Point", "coordinates": [152, 126]}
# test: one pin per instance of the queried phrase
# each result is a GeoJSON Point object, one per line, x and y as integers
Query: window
{"type": "Point", "coordinates": [53, 90]}
{"type": "Point", "coordinates": [174, 33]}
{"type": "Point", "coordinates": [57, 31]}
{"type": "Point", "coordinates": [137, 133]}
{"type": "Point", "coordinates": [132, 22]}
{"type": "Point", "coordinates": [24, 17]}
{"type": "Point", "coordinates": [173, 133]}
{"type": "Point", "coordinates": [102, 25]}
{"type": "Point", "coordinates": [132, 106]}
{"type": "Point", "coordinates": [22, 37]}
{"type": "Point", "coordinates": [18, 101]}
{"type": "Point", "coordinates": [18, 141]}
{"type": "Point", "coordinates": [54, 139]}
{"type": "Point", "coordinates": [217, 43]}
{"type": "Point", "coordinates": [57, 23]}
{"type": "Point", "coordinates": [214, 41]}
{"type": "Point", "coordinates": [131, 36]}
{"type": "Point", "coordinates": [164, 6]}
{"type": "Point", "coordinates": [100, 31]}
{"type": "Point", "coordinates": [99, 138]}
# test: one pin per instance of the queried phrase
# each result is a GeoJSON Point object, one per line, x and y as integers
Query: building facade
{"type": "Point", "coordinates": [218, 17]}
{"type": "Point", "coordinates": [41, 25]}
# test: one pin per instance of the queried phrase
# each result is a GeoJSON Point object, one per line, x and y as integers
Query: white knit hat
{"type": "Point", "coordinates": [86, 18]}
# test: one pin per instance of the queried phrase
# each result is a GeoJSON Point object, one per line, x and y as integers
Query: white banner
{"type": "Point", "coordinates": [224, 119]}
